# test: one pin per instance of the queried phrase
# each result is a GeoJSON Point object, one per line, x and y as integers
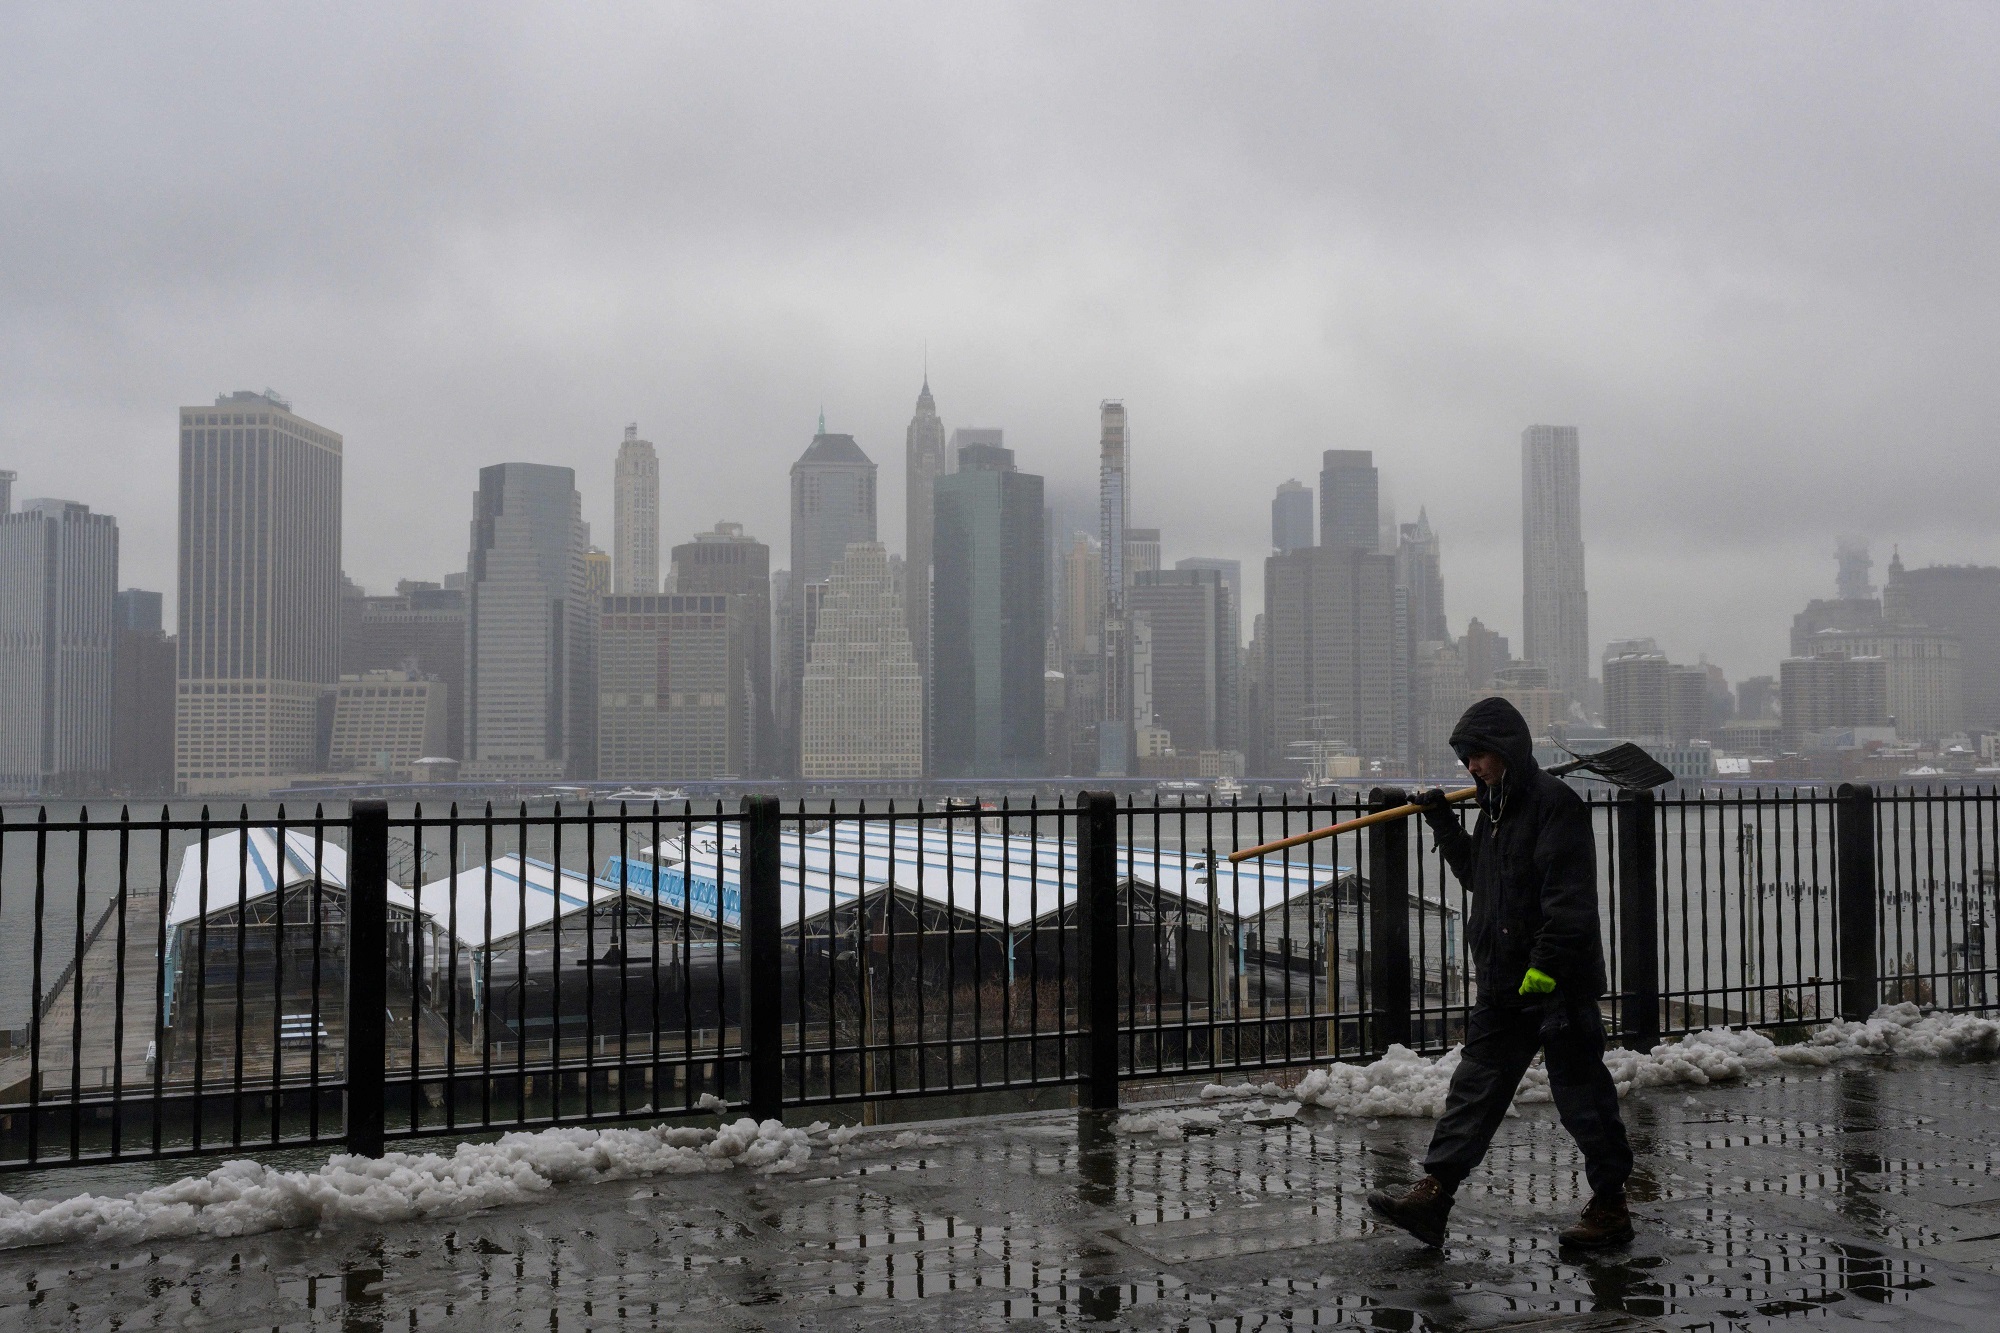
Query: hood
{"type": "Point", "coordinates": [1497, 726]}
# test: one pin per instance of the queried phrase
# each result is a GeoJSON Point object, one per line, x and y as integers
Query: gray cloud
{"type": "Point", "coordinates": [1749, 251]}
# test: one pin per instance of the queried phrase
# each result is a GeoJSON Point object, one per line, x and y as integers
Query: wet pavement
{"type": "Point", "coordinates": [1857, 1193]}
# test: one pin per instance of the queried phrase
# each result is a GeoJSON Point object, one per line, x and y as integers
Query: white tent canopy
{"type": "Point", "coordinates": [243, 868]}
{"type": "Point", "coordinates": [1008, 879]}
{"type": "Point", "coordinates": [526, 893]}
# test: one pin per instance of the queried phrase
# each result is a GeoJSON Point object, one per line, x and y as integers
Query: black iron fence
{"type": "Point", "coordinates": [179, 985]}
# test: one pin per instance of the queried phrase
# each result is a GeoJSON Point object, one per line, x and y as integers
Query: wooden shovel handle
{"type": "Point", "coordinates": [1376, 817]}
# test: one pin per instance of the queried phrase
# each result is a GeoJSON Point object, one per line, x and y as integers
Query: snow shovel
{"type": "Point", "coordinates": [1626, 766]}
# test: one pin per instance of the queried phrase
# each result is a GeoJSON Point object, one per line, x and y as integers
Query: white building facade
{"type": "Point", "coordinates": [259, 598]}
{"type": "Point", "coordinates": [863, 692]}
{"type": "Point", "coordinates": [635, 521]}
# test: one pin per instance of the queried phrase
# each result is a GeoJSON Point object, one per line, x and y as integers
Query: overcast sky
{"type": "Point", "coordinates": [1749, 250]}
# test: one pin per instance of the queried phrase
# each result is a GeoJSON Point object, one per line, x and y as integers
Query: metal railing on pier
{"type": "Point", "coordinates": [183, 985]}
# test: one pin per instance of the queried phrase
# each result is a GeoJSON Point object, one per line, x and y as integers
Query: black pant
{"type": "Point", "coordinates": [1500, 1042]}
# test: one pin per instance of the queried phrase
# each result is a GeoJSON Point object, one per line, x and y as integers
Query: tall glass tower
{"type": "Point", "coordinates": [529, 687]}
{"type": "Point", "coordinates": [1554, 609]}
{"type": "Point", "coordinates": [1114, 516]}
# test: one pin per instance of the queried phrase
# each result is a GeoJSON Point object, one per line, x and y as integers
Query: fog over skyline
{"type": "Point", "coordinates": [1749, 251]}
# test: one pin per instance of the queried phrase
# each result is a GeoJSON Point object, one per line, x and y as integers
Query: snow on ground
{"type": "Point", "coordinates": [1177, 1122]}
{"type": "Point", "coordinates": [1403, 1083]}
{"type": "Point", "coordinates": [241, 1198]}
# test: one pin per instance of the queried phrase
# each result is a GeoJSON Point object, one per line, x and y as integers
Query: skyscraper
{"type": "Point", "coordinates": [862, 693]}
{"type": "Point", "coordinates": [1555, 612]}
{"type": "Point", "coordinates": [727, 562]}
{"type": "Point", "coordinates": [58, 628]}
{"type": "Point", "coordinates": [990, 617]}
{"type": "Point", "coordinates": [1962, 600]}
{"type": "Point", "coordinates": [1419, 619]}
{"type": "Point", "coordinates": [1232, 578]}
{"type": "Point", "coordinates": [141, 610]}
{"type": "Point", "coordinates": [1438, 698]}
{"type": "Point", "coordinates": [1191, 620]}
{"type": "Point", "coordinates": [1255, 724]}
{"type": "Point", "coordinates": [7, 480]}
{"type": "Point", "coordinates": [1485, 653]}
{"type": "Point", "coordinates": [673, 687]}
{"type": "Point", "coordinates": [1292, 517]}
{"type": "Point", "coordinates": [1831, 693]}
{"type": "Point", "coordinates": [1350, 500]}
{"type": "Point", "coordinates": [142, 699]}
{"type": "Point", "coordinates": [1329, 630]}
{"type": "Point", "coordinates": [259, 590]}
{"type": "Point", "coordinates": [1925, 671]}
{"type": "Point", "coordinates": [421, 630]}
{"type": "Point", "coordinates": [925, 459]}
{"type": "Point", "coordinates": [1418, 570]}
{"type": "Point", "coordinates": [1114, 517]}
{"type": "Point", "coordinates": [1635, 694]}
{"type": "Point", "coordinates": [833, 506]}
{"type": "Point", "coordinates": [526, 626]}
{"type": "Point", "coordinates": [1647, 697]}
{"type": "Point", "coordinates": [1232, 581]}
{"type": "Point", "coordinates": [635, 520]}
{"type": "Point", "coordinates": [1852, 583]}
{"type": "Point", "coordinates": [385, 721]}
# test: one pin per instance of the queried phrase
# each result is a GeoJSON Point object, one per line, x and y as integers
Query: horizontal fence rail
{"type": "Point", "coordinates": [183, 984]}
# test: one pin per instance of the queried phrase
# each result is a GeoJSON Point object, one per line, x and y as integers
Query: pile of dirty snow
{"type": "Point", "coordinates": [1177, 1122]}
{"type": "Point", "coordinates": [1403, 1083]}
{"type": "Point", "coordinates": [241, 1198]}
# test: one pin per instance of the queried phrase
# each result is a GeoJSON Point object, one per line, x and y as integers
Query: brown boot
{"type": "Point", "coordinates": [1421, 1210]}
{"type": "Point", "coordinates": [1606, 1221]}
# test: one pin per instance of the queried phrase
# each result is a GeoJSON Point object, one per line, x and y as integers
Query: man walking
{"type": "Point", "coordinates": [1530, 864]}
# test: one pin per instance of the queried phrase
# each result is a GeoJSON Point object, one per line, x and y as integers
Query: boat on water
{"type": "Point", "coordinates": [644, 795]}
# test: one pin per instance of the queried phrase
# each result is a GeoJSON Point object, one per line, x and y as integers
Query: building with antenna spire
{"type": "Point", "coordinates": [833, 507]}
{"type": "Point", "coordinates": [925, 459]}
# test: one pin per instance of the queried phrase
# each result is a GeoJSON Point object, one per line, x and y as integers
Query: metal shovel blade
{"type": "Point", "coordinates": [1626, 765]}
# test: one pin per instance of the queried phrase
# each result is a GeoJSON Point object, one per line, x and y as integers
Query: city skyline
{"type": "Point", "coordinates": [1304, 289]}
{"type": "Point", "coordinates": [1385, 688]}
{"type": "Point", "coordinates": [1494, 615]}
{"type": "Point", "coordinates": [1065, 486]}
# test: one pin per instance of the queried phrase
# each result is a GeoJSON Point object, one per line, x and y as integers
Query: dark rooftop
{"type": "Point", "coordinates": [834, 449]}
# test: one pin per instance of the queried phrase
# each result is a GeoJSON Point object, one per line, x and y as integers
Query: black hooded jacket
{"type": "Point", "coordinates": [1530, 864]}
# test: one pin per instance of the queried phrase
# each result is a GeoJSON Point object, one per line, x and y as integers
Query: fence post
{"type": "Point", "coordinates": [1097, 945]}
{"type": "Point", "coordinates": [1854, 837]}
{"type": "Point", "coordinates": [1389, 922]}
{"type": "Point", "coordinates": [367, 975]}
{"type": "Point", "coordinates": [763, 958]}
{"type": "Point", "coordinates": [1638, 922]}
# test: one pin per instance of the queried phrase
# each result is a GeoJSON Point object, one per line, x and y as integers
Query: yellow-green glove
{"type": "Point", "coordinates": [1537, 982]}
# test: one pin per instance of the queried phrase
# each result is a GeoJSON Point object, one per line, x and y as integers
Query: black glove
{"type": "Point", "coordinates": [1435, 805]}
